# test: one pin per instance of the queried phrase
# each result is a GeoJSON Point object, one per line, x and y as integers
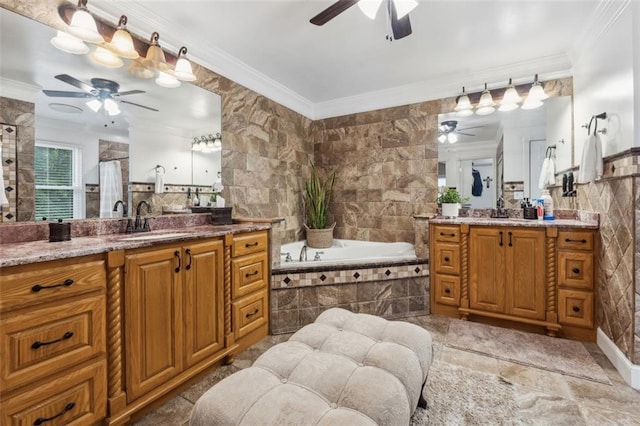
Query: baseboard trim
{"type": "Point", "coordinates": [630, 372]}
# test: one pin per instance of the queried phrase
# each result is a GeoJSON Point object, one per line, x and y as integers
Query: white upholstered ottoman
{"type": "Point", "coordinates": [344, 369]}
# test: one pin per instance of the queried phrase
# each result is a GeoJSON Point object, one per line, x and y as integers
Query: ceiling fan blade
{"type": "Point", "coordinates": [332, 11]}
{"type": "Point", "coordinates": [74, 82]}
{"type": "Point", "coordinates": [138, 105]}
{"type": "Point", "coordinates": [466, 134]}
{"type": "Point", "coordinates": [472, 127]}
{"type": "Point", "coordinates": [130, 92]}
{"type": "Point", "coordinates": [400, 27]}
{"type": "Point", "coordinates": [63, 94]}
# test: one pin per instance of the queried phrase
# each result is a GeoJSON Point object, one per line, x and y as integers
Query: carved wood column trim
{"type": "Point", "coordinates": [552, 309]}
{"type": "Point", "coordinates": [228, 326]}
{"type": "Point", "coordinates": [464, 272]}
{"type": "Point", "coordinates": [115, 274]}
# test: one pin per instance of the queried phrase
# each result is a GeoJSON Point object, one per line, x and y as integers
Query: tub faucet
{"type": "Point", "coordinates": [317, 256]}
{"type": "Point", "coordinates": [124, 207]}
{"type": "Point", "coordinates": [303, 253]}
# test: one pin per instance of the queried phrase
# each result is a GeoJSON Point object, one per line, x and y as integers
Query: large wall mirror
{"type": "Point", "coordinates": [501, 154]}
{"type": "Point", "coordinates": [154, 128]}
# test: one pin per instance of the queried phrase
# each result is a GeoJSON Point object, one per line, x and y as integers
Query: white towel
{"type": "Point", "coordinates": [110, 187]}
{"type": "Point", "coordinates": [3, 197]}
{"type": "Point", "coordinates": [591, 166]}
{"type": "Point", "coordinates": [159, 182]}
{"type": "Point", "coordinates": [551, 172]}
{"type": "Point", "coordinates": [544, 172]}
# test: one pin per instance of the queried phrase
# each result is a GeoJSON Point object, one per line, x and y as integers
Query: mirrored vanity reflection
{"type": "Point", "coordinates": [98, 152]}
{"type": "Point", "coordinates": [501, 154]}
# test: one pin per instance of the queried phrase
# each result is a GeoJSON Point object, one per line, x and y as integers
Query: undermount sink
{"type": "Point", "coordinates": [156, 236]}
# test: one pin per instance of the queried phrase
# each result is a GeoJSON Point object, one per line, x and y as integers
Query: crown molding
{"type": "Point", "coordinates": [18, 90]}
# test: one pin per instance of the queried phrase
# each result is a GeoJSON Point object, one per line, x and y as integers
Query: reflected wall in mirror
{"type": "Point", "coordinates": [163, 137]}
{"type": "Point", "coordinates": [501, 154]}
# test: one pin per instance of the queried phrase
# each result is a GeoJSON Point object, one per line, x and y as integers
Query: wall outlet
{"type": "Point", "coordinates": [518, 195]}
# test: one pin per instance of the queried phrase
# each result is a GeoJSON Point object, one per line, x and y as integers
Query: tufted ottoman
{"type": "Point", "coordinates": [343, 369]}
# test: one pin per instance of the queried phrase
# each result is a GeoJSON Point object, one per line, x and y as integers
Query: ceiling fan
{"type": "Point", "coordinates": [448, 131]}
{"type": "Point", "coordinates": [397, 13]}
{"type": "Point", "coordinates": [104, 93]}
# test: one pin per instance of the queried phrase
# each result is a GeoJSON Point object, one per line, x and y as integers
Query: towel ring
{"type": "Point", "coordinates": [160, 167]}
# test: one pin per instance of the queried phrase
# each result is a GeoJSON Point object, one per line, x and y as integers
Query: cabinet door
{"type": "Point", "coordinates": [203, 300]}
{"type": "Point", "coordinates": [486, 269]}
{"type": "Point", "coordinates": [525, 272]}
{"type": "Point", "coordinates": [153, 312]}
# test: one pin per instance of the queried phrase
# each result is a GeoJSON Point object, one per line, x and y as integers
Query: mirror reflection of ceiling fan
{"type": "Point", "coordinates": [104, 92]}
{"type": "Point", "coordinates": [448, 131]}
{"type": "Point", "coordinates": [397, 13]}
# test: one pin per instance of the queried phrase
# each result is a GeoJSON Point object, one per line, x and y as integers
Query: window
{"type": "Point", "coordinates": [58, 187]}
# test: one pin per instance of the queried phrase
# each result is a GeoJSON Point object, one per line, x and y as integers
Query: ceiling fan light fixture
{"type": "Point", "coordinates": [442, 138]}
{"type": "Point", "coordinates": [155, 56]}
{"type": "Point", "coordinates": [452, 138]}
{"type": "Point", "coordinates": [121, 43]}
{"type": "Point", "coordinates": [105, 58]}
{"type": "Point", "coordinates": [84, 26]}
{"type": "Point", "coordinates": [166, 80]}
{"type": "Point", "coordinates": [370, 7]}
{"type": "Point", "coordinates": [183, 70]}
{"type": "Point", "coordinates": [403, 7]}
{"type": "Point", "coordinates": [69, 43]}
{"type": "Point", "coordinates": [111, 107]}
{"type": "Point", "coordinates": [94, 104]}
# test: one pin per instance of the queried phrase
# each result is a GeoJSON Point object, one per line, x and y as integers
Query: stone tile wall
{"type": "Point", "coordinates": [297, 298]}
{"type": "Point", "coordinates": [8, 137]}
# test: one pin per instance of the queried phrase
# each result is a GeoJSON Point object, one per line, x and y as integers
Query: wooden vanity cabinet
{"type": "Point", "coordinates": [173, 315]}
{"type": "Point", "coordinates": [53, 367]}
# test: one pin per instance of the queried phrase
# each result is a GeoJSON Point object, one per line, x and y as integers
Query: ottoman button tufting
{"type": "Point", "coordinates": [283, 380]}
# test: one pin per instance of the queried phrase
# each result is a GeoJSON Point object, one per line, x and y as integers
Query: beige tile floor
{"type": "Point", "coordinates": [541, 397]}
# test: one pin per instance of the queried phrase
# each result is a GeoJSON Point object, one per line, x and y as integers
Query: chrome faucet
{"type": "Point", "coordinates": [124, 207]}
{"type": "Point", "coordinates": [303, 253]}
{"type": "Point", "coordinates": [138, 226]}
{"type": "Point", "coordinates": [500, 211]}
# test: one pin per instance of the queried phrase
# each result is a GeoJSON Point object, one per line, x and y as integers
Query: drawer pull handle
{"type": "Point", "coordinates": [41, 420]}
{"type": "Point", "coordinates": [447, 290]}
{"type": "Point", "coordinates": [36, 288]}
{"type": "Point", "coordinates": [253, 244]}
{"type": "Point", "coordinates": [576, 270]}
{"type": "Point", "coordinates": [500, 243]}
{"type": "Point", "coordinates": [188, 266]}
{"type": "Point", "coordinates": [569, 240]}
{"type": "Point", "coordinates": [446, 259]}
{"type": "Point", "coordinates": [510, 242]}
{"type": "Point", "coordinates": [250, 274]}
{"type": "Point", "coordinates": [176, 254]}
{"type": "Point", "coordinates": [576, 309]}
{"type": "Point", "coordinates": [442, 234]}
{"type": "Point", "coordinates": [37, 344]}
{"type": "Point", "coordinates": [249, 315]}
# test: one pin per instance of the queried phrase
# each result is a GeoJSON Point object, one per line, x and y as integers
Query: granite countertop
{"type": "Point", "coordinates": [22, 253]}
{"type": "Point", "coordinates": [488, 221]}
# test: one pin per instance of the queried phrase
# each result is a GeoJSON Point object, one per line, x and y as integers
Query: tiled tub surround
{"type": "Point", "coordinates": [391, 290]}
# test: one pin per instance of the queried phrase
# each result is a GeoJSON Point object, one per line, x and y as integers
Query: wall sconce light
{"type": "Point", "coordinates": [486, 104]}
{"type": "Point", "coordinates": [70, 44]}
{"type": "Point", "coordinates": [463, 107]}
{"type": "Point", "coordinates": [121, 43]}
{"type": "Point", "coordinates": [510, 99]}
{"type": "Point", "coordinates": [183, 70]}
{"type": "Point", "coordinates": [155, 56]}
{"type": "Point", "coordinates": [536, 95]}
{"type": "Point", "coordinates": [105, 58]}
{"type": "Point", "coordinates": [166, 80]}
{"type": "Point", "coordinates": [83, 25]}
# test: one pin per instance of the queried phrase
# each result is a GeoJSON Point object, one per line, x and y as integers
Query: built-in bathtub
{"type": "Point", "coordinates": [385, 279]}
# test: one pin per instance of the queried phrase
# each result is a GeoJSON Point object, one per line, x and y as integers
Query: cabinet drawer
{"type": "Point", "coordinates": [78, 397]}
{"type": "Point", "coordinates": [447, 258]}
{"type": "Point", "coordinates": [45, 282]}
{"type": "Point", "coordinates": [249, 274]}
{"type": "Point", "coordinates": [446, 233]}
{"type": "Point", "coordinates": [44, 341]}
{"type": "Point", "coordinates": [447, 290]}
{"type": "Point", "coordinates": [575, 308]}
{"type": "Point", "coordinates": [251, 242]}
{"type": "Point", "coordinates": [576, 240]}
{"type": "Point", "coordinates": [575, 270]}
{"type": "Point", "coordinates": [250, 313]}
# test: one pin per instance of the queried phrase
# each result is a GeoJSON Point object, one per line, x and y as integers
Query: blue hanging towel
{"type": "Point", "coordinates": [476, 188]}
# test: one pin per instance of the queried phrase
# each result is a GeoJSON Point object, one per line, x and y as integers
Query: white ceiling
{"type": "Point", "coordinates": [347, 65]}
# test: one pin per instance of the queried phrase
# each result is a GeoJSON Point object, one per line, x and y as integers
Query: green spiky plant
{"type": "Point", "coordinates": [317, 198]}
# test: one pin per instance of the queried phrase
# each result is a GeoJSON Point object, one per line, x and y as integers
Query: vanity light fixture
{"type": "Point", "coordinates": [105, 58]}
{"type": "Point", "coordinates": [486, 104]}
{"type": "Point", "coordinates": [155, 56]}
{"type": "Point", "coordinates": [83, 25]}
{"type": "Point", "coordinates": [510, 99]}
{"type": "Point", "coordinates": [70, 44]}
{"type": "Point", "coordinates": [183, 70]}
{"type": "Point", "coordinates": [463, 107]}
{"type": "Point", "coordinates": [121, 43]}
{"type": "Point", "coordinates": [209, 143]}
{"type": "Point", "coordinates": [536, 95]}
{"type": "Point", "coordinates": [195, 146]}
{"type": "Point", "coordinates": [166, 80]}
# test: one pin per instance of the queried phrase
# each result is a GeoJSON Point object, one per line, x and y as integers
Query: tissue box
{"type": "Point", "coordinates": [221, 216]}
{"type": "Point", "coordinates": [59, 231]}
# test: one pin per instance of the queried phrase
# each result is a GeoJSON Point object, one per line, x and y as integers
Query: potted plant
{"type": "Point", "coordinates": [450, 200]}
{"type": "Point", "coordinates": [317, 200]}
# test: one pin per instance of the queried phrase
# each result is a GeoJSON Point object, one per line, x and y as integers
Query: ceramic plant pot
{"type": "Point", "coordinates": [450, 209]}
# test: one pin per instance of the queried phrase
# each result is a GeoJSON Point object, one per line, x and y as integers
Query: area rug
{"type": "Point", "coordinates": [461, 396]}
{"type": "Point", "coordinates": [547, 353]}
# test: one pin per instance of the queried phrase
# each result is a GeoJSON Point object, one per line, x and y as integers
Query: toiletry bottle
{"type": "Point", "coordinates": [196, 199]}
{"type": "Point", "coordinates": [189, 200]}
{"type": "Point", "coordinates": [540, 209]}
{"type": "Point", "coordinates": [548, 205]}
